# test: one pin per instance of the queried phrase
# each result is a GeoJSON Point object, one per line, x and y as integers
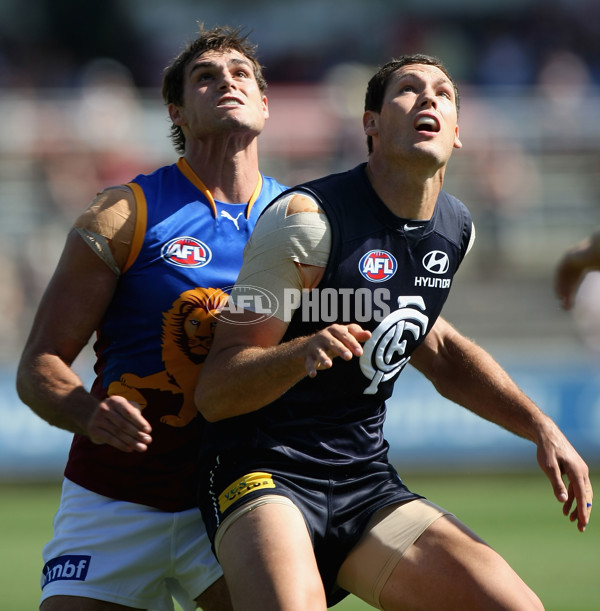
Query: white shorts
{"type": "Point", "coordinates": [127, 554]}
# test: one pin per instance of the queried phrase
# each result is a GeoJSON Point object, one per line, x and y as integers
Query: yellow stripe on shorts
{"type": "Point", "coordinates": [242, 486]}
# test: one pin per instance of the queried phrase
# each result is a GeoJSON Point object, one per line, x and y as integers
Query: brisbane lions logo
{"type": "Point", "coordinates": [384, 353]}
{"type": "Point", "coordinates": [187, 335]}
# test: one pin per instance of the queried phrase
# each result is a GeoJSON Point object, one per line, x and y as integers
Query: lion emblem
{"type": "Point", "coordinates": [187, 334]}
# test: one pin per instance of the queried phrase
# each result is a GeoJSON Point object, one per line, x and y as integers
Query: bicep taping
{"type": "Point", "coordinates": [107, 226]}
{"type": "Point", "coordinates": [277, 246]}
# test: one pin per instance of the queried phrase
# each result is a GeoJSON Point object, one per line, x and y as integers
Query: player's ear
{"type": "Point", "coordinates": [176, 114]}
{"type": "Point", "coordinates": [457, 142]}
{"type": "Point", "coordinates": [370, 122]}
{"type": "Point", "coordinates": [265, 104]}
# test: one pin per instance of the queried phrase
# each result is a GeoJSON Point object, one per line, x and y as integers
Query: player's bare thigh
{"type": "Point", "coordinates": [450, 567]}
{"type": "Point", "coordinates": [268, 560]}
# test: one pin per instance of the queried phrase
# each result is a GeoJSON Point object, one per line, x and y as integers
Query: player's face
{"type": "Point", "coordinates": [418, 115]}
{"type": "Point", "coordinates": [221, 95]}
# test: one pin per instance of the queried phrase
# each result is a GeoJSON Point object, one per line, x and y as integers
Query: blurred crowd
{"type": "Point", "coordinates": [47, 43]}
{"type": "Point", "coordinates": [80, 109]}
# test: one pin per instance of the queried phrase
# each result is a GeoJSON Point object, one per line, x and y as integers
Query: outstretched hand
{"type": "Point", "coordinates": [558, 458]}
{"type": "Point", "coordinates": [120, 424]}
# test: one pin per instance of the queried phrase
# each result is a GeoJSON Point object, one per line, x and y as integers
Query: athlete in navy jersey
{"type": "Point", "coordinates": [343, 282]}
{"type": "Point", "coordinates": [364, 234]}
{"type": "Point", "coordinates": [145, 268]}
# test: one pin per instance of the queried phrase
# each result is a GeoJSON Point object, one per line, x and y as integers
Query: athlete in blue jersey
{"type": "Point", "coordinates": [147, 267]}
{"type": "Point", "coordinates": [343, 282]}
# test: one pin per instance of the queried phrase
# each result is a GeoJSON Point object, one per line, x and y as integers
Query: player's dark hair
{"type": "Point", "coordinates": [379, 82]}
{"type": "Point", "coordinates": [220, 38]}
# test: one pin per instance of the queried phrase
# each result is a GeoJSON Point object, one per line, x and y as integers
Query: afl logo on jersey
{"type": "Point", "coordinates": [186, 252]}
{"type": "Point", "coordinates": [377, 266]}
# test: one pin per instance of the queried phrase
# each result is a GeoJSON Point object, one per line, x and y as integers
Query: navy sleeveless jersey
{"type": "Point", "coordinates": [389, 275]}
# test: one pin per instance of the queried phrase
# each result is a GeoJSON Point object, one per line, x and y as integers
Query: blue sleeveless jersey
{"type": "Point", "coordinates": [186, 254]}
{"type": "Point", "coordinates": [389, 275]}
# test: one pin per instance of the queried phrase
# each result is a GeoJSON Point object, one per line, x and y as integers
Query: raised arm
{"type": "Point", "coordinates": [466, 374]}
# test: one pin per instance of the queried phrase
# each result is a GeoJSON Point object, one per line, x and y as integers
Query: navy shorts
{"type": "Point", "coordinates": [337, 503]}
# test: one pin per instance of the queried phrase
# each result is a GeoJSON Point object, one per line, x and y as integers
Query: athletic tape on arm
{"type": "Point", "coordinates": [107, 226]}
{"type": "Point", "coordinates": [280, 243]}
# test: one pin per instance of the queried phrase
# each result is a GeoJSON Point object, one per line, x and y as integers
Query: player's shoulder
{"type": "Point", "coordinates": [294, 210]}
{"type": "Point", "coordinates": [111, 208]}
{"type": "Point", "coordinates": [111, 195]}
{"type": "Point", "coordinates": [301, 202]}
{"type": "Point", "coordinates": [119, 199]}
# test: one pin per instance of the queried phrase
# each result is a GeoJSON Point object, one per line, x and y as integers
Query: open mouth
{"type": "Point", "coordinates": [229, 102]}
{"type": "Point", "coordinates": [427, 123]}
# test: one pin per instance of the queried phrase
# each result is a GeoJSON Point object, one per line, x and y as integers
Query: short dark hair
{"type": "Point", "coordinates": [219, 38]}
{"type": "Point", "coordinates": [379, 81]}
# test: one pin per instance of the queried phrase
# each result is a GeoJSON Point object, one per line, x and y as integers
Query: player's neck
{"type": "Point", "coordinates": [229, 173]}
{"type": "Point", "coordinates": [408, 194]}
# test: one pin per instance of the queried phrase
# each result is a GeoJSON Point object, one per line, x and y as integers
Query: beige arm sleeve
{"type": "Point", "coordinates": [279, 244]}
{"type": "Point", "coordinates": [108, 225]}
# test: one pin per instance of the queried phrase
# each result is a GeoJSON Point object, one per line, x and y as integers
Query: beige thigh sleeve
{"type": "Point", "coordinates": [387, 537]}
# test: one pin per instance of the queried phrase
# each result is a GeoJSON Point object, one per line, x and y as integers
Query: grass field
{"type": "Point", "coordinates": [516, 514]}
